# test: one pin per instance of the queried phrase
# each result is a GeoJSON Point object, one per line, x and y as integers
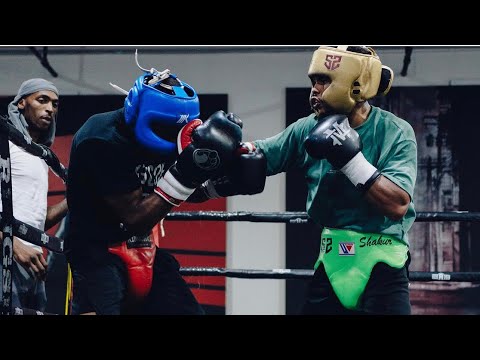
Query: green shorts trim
{"type": "Point", "coordinates": [349, 257]}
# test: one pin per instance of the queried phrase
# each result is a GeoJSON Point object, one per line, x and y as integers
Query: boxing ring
{"type": "Point", "coordinates": [12, 227]}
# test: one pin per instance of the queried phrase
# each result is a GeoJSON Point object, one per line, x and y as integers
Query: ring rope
{"type": "Point", "coordinates": [27, 311]}
{"type": "Point", "coordinates": [307, 274]}
{"type": "Point", "coordinates": [299, 217]}
{"type": "Point", "coordinates": [33, 235]}
{"type": "Point", "coordinates": [33, 148]}
{"type": "Point", "coordinates": [7, 225]}
{"type": "Point", "coordinates": [55, 244]}
{"type": "Point", "coordinates": [289, 274]}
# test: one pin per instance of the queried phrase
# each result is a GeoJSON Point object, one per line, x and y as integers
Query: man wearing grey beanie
{"type": "Point", "coordinates": [33, 112]}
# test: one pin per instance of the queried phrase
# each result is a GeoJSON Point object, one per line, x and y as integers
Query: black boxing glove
{"type": "Point", "coordinates": [246, 175]}
{"type": "Point", "coordinates": [205, 149]}
{"type": "Point", "coordinates": [235, 119]}
{"type": "Point", "coordinates": [333, 139]}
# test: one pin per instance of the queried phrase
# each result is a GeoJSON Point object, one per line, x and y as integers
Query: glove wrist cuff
{"type": "Point", "coordinates": [358, 170]}
{"type": "Point", "coordinates": [171, 190]}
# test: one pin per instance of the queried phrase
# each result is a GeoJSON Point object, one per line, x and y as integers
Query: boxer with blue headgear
{"type": "Point", "coordinates": [159, 102]}
{"type": "Point", "coordinates": [128, 168]}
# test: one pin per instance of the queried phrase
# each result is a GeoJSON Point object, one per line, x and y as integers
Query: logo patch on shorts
{"type": "Point", "coordinates": [136, 242]}
{"type": "Point", "coordinates": [346, 248]}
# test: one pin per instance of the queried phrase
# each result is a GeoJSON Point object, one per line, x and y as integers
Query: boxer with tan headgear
{"type": "Point", "coordinates": [360, 166]}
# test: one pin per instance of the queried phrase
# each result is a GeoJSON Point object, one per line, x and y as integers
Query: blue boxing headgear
{"type": "Point", "coordinates": [157, 107]}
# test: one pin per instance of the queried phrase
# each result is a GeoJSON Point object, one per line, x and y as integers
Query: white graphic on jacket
{"type": "Point", "coordinates": [149, 175]}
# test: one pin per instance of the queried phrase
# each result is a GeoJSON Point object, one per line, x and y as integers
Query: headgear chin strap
{"type": "Point", "coordinates": [355, 77]}
{"type": "Point", "coordinates": [159, 104]}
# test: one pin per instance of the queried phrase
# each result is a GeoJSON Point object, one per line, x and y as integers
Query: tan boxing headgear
{"type": "Point", "coordinates": [355, 77]}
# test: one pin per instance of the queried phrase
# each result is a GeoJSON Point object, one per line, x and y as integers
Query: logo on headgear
{"type": "Point", "coordinates": [360, 77]}
{"type": "Point", "coordinates": [183, 118]}
{"type": "Point", "coordinates": [332, 62]}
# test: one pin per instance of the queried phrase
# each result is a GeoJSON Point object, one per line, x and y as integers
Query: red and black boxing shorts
{"type": "Point", "coordinates": [138, 255]}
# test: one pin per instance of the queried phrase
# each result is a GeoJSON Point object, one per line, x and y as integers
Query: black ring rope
{"type": "Point", "coordinates": [7, 224]}
{"type": "Point", "coordinates": [307, 274]}
{"type": "Point", "coordinates": [298, 217]}
{"type": "Point", "coordinates": [34, 235]}
{"type": "Point", "coordinates": [27, 311]}
{"type": "Point", "coordinates": [33, 148]}
{"type": "Point", "coordinates": [285, 274]}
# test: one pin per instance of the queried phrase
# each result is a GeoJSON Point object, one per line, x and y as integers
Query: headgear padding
{"type": "Point", "coordinates": [355, 77]}
{"type": "Point", "coordinates": [160, 103]}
